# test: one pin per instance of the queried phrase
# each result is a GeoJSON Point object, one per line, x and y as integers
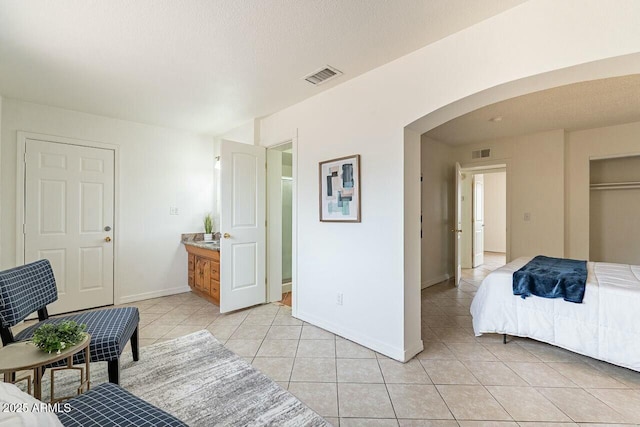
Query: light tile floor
{"type": "Point", "coordinates": [458, 380]}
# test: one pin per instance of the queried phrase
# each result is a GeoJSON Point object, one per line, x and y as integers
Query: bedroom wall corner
{"type": "Point", "coordinates": [567, 195]}
{"type": "Point", "coordinates": [437, 166]}
{"type": "Point", "coordinates": [412, 262]}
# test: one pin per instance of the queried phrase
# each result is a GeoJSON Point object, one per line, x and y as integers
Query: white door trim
{"type": "Point", "coordinates": [294, 225]}
{"type": "Point", "coordinates": [23, 136]}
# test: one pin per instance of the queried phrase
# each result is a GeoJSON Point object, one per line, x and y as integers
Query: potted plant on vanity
{"type": "Point", "coordinates": [208, 228]}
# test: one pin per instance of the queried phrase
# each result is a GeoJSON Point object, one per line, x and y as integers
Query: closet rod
{"type": "Point", "coordinates": [616, 185]}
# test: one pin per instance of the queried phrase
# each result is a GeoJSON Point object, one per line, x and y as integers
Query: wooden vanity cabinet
{"type": "Point", "coordinates": [204, 272]}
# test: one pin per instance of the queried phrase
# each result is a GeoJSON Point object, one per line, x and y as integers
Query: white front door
{"type": "Point", "coordinates": [242, 224]}
{"type": "Point", "coordinates": [457, 230]}
{"type": "Point", "coordinates": [478, 220]}
{"type": "Point", "coordinates": [69, 212]}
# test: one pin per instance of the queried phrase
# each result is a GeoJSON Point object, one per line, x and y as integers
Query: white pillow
{"type": "Point", "coordinates": [16, 409]}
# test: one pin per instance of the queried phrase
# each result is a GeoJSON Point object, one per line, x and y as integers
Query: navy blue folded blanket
{"type": "Point", "coordinates": [552, 278]}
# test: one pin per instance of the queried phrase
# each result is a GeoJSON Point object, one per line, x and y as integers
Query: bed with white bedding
{"type": "Point", "coordinates": [606, 326]}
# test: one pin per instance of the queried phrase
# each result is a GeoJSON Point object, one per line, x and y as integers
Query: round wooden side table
{"type": "Point", "coordinates": [24, 355]}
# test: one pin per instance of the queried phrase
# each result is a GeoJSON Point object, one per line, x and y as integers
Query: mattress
{"type": "Point", "coordinates": [606, 326]}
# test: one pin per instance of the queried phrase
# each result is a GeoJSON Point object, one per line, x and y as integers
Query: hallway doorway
{"type": "Point", "coordinates": [280, 195]}
{"type": "Point", "coordinates": [483, 240]}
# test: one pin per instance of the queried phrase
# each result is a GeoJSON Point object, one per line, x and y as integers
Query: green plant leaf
{"type": "Point", "coordinates": [56, 337]}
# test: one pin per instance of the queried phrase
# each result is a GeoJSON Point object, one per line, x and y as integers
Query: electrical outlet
{"type": "Point", "coordinates": [173, 210]}
{"type": "Point", "coordinates": [527, 216]}
{"type": "Point", "coordinates": [339, 298]}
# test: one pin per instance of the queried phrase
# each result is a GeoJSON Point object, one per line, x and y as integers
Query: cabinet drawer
{"type": "Point", "coordinates": [214, 291]}
{"type": "Point", "coordinates": [215, 270]}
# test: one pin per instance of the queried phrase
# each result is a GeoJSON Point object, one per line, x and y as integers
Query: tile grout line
{"type": "Point", "coordinates": [393, 408]}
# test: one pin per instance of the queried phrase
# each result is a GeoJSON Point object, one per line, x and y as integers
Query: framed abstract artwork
{"type": "Point", "coordinates": [340, 189]}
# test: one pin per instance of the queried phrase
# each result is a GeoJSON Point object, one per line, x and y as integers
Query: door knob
{"type": "Point", "coordinates": [107, 239]}
{"type": "Point", "coordinates": [456, 231]}
{"type": "Point", "coordinates": [226, 235]}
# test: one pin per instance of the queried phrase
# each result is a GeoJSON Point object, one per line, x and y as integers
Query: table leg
{"type": "Point", "coordinates": [87, 361]}
{"type": "Point", "coordinates": [37, 382]}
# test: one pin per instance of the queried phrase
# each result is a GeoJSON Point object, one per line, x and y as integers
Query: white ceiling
{"type": "Point", "coordinates": [207, 65]}
{"type": "Point", "coordinates": [584, 105]}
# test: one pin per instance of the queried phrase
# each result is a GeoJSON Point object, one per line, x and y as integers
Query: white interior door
{"type": "Point", "coordinates": [478, 220]}
{"type": "Point", "coordinates": [69, 211]}
{"type": "Point", "coordinates": [457, 230]}
{"type": "Point", "coordinates": [242, 224]}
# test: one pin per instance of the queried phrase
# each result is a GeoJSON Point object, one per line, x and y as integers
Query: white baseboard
{"type": "Point", "coordinates": [396, 353]}
{"type": "Point", "coordinates": [435, 280]}
{"type": "Point", "coordinates": [286, 287]}
{"type": "Point", "coordinates": [153, 294]}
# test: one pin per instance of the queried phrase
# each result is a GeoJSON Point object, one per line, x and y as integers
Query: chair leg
{"type": "Point", "coordinates": [134, 345]}
{"type": "Point", "coordinates": [7, 336]}
{"type": "Point", "coordinates": [114, 371]}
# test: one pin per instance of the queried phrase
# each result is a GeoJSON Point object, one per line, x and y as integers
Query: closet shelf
{"type": "Point", "coordinates": [616, 185]}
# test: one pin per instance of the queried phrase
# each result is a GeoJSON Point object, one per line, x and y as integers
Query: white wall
{"type": "Point", "coordinates": [583, 146]}
{"type": "Point", "coordinates": [535, 168]}
{"type": "Point", "coordinates": [248, 133]}
{"type": "Point", "coordinates": [438, 192]}
{"type": "Point", "coordinates": [366, 115]}
{"type": "Point", "coordinates": [495, 212]}
{"type": "Point", "coordinates": [159, 168]}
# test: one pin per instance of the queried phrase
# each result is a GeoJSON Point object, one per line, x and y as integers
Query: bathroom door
{"type": "Point", "coordinates": [242, 224]}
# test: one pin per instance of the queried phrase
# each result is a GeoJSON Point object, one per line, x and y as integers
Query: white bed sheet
{"type": "Point", "coordinates": [606, 326]}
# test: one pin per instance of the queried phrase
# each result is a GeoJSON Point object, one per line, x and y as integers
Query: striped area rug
{"type": "Point", "coordinates": [202, 383]}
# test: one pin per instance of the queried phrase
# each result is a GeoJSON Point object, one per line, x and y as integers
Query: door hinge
{"type": "Point", "coordinates": [24, 158]}
{"type": "Point", "coordinates": [24, 228]}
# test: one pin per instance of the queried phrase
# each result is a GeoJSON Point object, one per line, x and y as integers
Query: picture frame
{"type": "Point", "coordinates": [340, 189]}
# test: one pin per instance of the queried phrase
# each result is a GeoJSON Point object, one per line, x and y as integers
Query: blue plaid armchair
{"type": "Point", "coordinates": [31, 287]}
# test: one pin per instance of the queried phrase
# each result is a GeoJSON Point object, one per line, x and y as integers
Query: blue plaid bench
{"type": "Point", "coordinates": [110, 330]}
{"type": "Point", "coordinates": [31, 287]}
{"type": "Point", "coordinates": [108, 405]}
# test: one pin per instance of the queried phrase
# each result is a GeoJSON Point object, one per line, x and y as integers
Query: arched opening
{"type": "Point", "coordinates": [547, 181]}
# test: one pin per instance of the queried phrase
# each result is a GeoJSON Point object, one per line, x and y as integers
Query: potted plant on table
{"type": "Point", "coordinates": [208, 228]}
{"type": "Point", "coordinates": [52, 337]}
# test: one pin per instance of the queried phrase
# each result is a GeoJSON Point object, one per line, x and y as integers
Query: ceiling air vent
{"type": "Point", "coordinates": [323, 75]}
{"type": "Point", "coordinates": [481, 154]}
